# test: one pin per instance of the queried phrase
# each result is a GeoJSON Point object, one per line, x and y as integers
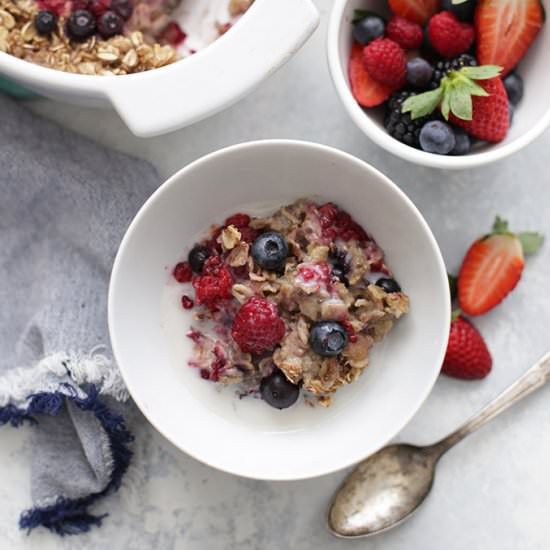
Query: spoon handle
{"type": "Point", "coordinates": [533, 379]}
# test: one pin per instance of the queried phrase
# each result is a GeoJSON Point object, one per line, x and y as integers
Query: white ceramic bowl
{"type": "Point", "coordinates": [165, 99]}
{"type": "Point", "coordinates": [531, 117]}
{"type": "Point", "coordinates": [247, 437]}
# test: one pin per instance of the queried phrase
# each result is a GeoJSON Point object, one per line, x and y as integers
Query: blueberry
{"type": "Point", "coordinates": [419, 73]}
{"type": "Point", "coordinates": [110, 24]}
{"type": "Point", "coordinates": [279, 392]}
{"type": "Point", "coordinates": [369, 28]}
{"type": "Point", "coordinates": [339, 272]}
{"type": "Point", "coordinates": [196, 258]}
{"type": "Point", "coordinates": [464, 11]}
{"type": "Point", "coordinates": [270, 251]}
{"type": "Point", "coordinates": [81, 25]}
{"type": "Point", "coordinates": [462, 142]}
{"type": "Point", "coordinates": [124, 8]}
{"type": "Point", "coordinates": [437, 137]}
{"type": "Point", "coordinates": [388, 285]}
{"type": "Point", "coordinates": [328, 338]}
{"type": "Point", "coordinates": [514, 87]}
{"type": "Point", "coordinates": [45, 22]}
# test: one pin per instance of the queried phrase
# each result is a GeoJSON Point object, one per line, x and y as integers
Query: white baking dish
{"type": "Point", "coordinates": [165, 99]}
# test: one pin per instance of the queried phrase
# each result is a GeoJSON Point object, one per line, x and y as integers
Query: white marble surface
{"type": "Point", "coordinates": [492, 492]}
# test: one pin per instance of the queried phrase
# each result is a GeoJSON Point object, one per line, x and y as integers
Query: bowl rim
{"type": "Point", "coordinates": [383, 139]}
{"type": "Point", "coordinates": [177, 179]}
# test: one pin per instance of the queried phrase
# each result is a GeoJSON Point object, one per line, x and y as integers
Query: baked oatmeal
{"type": "Point", "coordinates": [103, 37]}
{"type": "Point", "coordinates": [287, 304]}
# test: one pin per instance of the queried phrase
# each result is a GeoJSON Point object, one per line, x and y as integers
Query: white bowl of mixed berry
{"type": "Point", "coordinates": [444, 83]}
{"type": "Point", "coordinates": [161, 64]}
{"type": "Point", "coordinates": [279, 309]}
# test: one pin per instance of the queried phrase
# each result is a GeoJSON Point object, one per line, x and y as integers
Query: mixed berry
{"type": "Point", "coordinates": [287, 304]}
{"type": "Point", "coordinates": [443, 70]}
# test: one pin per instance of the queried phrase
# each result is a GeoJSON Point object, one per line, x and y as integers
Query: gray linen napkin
{"type": "Point", "coordinates": [65, 203]}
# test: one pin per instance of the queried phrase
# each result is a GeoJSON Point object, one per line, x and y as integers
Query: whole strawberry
{"type": "Point", "coordinates": [467, 356]}
{"type": "Point", "coordinates": [471, 97]}
{"type": "Point", "coordinates": [386, 62]}
{"type": "Point", "coordinates": [418, 11]}
{"type": "Point", "coordinates": [490, 113]}
{"type": "Point", "coordinates": [407, 34]}
{"type": "Point", "coordinates": [493, 267]}
{"type": "Point", "coordinates": [449, 36]}
{"type": "Point", "coordinates": [257, 326]}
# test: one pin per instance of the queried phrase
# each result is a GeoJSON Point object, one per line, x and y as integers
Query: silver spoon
{"type": "Point", "coordinates": [386, 488]}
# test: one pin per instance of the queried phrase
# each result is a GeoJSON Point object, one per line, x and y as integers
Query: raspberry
{"type": "Point", "coordinates": [182, 272]}
{"type": "Point", "coordinates": [407, 34]}
{"type": "Point", "coordinates": [214, 284]}
{"type": "Point", "coordinates": [385, 61]}
{"type": "Point", "coordinates": [186, 302]}
{"type": "Point", "coordinates": [448, 36]}
{"type": "Point", "coordinates": [327, 213]}
{"type": "Point", "coordinates": [248, 235]}
{"type": "Point", "coordinates": [238, 220]}
{"type": "Point", "coordinates": [257, 326]}
{"type": "Point", "coordinates": [99, 7]}
{"type": "Point", "coordinates": [173, 34]}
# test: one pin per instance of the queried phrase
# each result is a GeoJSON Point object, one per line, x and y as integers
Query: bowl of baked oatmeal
{"type": "Point", "coordinates": [279, 309]}
{"type": "Point", "coordinates": [161, 64]}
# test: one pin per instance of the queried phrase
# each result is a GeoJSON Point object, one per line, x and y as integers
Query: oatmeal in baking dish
{"type": "Point", "coordinates": [112, 37]}
{"type": "Point", "coordinates": [288, 304]}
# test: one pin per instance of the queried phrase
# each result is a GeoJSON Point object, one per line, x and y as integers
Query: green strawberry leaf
{"type": "Point", "coordinates": [422, 104]}
{"type": "Point", "coordinates": [481, 73]}
{"type": "Point", "coordinates": [453, 285]}
{"type": "Point", "coordinates": [500, 225]}
{"type": "Point", "coordinates": [530, 241]}
{"type": "Point", "coordinates": [359, 15]}
{"type": "Point", "coordinates": [461, 102]}
{"type": "Point", "coordinates": [446, 106]}
{"type": "Point", "coordinates": [474, 89]}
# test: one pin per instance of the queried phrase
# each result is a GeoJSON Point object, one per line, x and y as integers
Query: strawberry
{"type": "Point", "coordinates": [473, 97]}
{"type": "Point", "coordinates": [506, 29]}
{"type": "Point", "coordinates": [449, 36]}
{"type": "Point", "coordinates": [417, 11]}
{"type": "Point", "coordinates": [366, 91]}
{"type": "Point", "coordinates": [407, 34]}
{"type": "Point", "coordinates": [385, 61]}
{"type": "Point", "coordinates": [467, 356]}
{"type": "Point", "coordinates": [493, 266]}
{"type": "Point", "coordinates": [490, 114]}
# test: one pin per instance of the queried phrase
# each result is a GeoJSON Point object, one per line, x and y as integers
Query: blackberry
{"type": "Point", "coordinates": [445, 66]}
{"type": "Point", "coordinates": [400, 125]}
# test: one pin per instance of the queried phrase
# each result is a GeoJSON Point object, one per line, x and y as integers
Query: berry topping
{"type": "Point", "coordinates": [99, 7]}
{"type": "Point", "coordinates": [385, 61]}
{"type": "Point", "coordinates": [81, 24]}
{"type": "Point", "coordinates": [183, 273]}
{"type": "Point", "coordinates": [339, 272]}
{"type": "Point", "coordinates": [506, 30]}
{"type": "Point", "coordinates": [110, 24]}
{"type": "Point", "coordinates": [366, 91]}
{"type": "Point", "coordinates": [513, 84]}
{"type": "Point", "coordinates": [400, 125]}
{"type": "Point", "coordinates": [493, 267]}
{"type": "Point", "coordinates": [186, 302]}
{"type": "Point", "coordinates": [278, 391]}
{"type": "Point", "coordinates": [270, 251]}
{"type": "Point", "coordinates": [418, 11]}
{"type": "Point", "coordinates": [57, 6]}
{"type": "Point", "coordinates": [419, 73]}
{"type": "Point", "coordinates": [467, 356]}
{"type": "Point", "coordinates": [45, 22]}
{"type": "Point", "coordinates": [248, 235]}
{"type": "Point", "coordinates": [198, 255]}
{"type": "Point", "coordinates": [124, 8]}
{"type": "Point", "coordinates": [257, 326]}
{"type": "Point", "coordinates": [388, 285]}
{"type": "Point", "coordinates": [443, 67]}
{"type": "Point", "coordinates": [407, 34]}
{"type": "Point", "coordinates": [368, 29]}
{"type": "Point", "coordinates": [448, 36]}
{"type": "Point", "coordinates": [214, 285]}
{"type": "Point", "coordinates": [337, 224]}
{"type": "Point", "coordinates": [462, 142]}
{"type": "Point", "coordinates": [463, 10]}
{"type": "Point", "coordinates": [328, 338]}
{"type": "Point", "coordinates": [238, 220]}
{"type": "Point", "coordinates": [437, 137]}
{"type": "Point", "coordinates": [173, 34]}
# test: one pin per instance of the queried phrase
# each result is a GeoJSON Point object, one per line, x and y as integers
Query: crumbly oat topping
{"type": "Point", "coordinates": [305, 292]}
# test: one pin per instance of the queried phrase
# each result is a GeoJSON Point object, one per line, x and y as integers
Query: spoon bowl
{"type": "Point", "coordinates": [382, 491]}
